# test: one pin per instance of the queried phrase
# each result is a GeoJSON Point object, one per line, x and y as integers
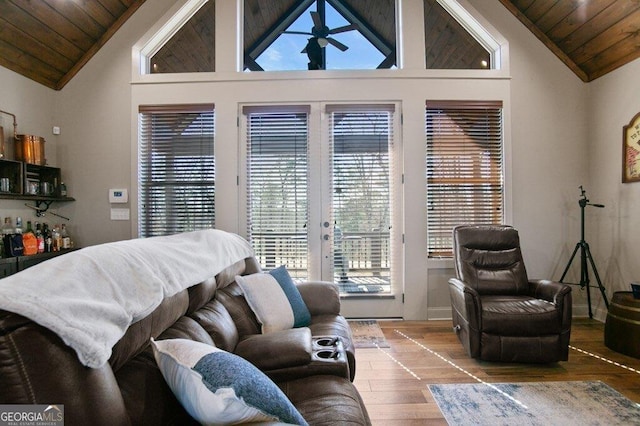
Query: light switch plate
{"type": "Point", "coordinates": [119, 214]}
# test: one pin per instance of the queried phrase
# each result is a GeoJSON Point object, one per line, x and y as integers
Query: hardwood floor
{"type": "Point", "coordinates": [393, 381]}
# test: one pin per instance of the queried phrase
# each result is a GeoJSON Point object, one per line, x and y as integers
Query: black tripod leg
{"type": "Point", "coordinates": [595, 274]}
{"type": "Point", "coordinates": [584, 273]}
{"type": "Point", "coordinates": [575, 250]}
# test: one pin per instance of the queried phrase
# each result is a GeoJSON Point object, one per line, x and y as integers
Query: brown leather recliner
{"type": "Point", "coordinates": [498, 313]}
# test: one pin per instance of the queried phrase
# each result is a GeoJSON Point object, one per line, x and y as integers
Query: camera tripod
{"type": "Point", "coordinates": [585, 255]}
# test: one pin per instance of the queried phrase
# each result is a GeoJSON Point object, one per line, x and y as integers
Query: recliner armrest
{"type": "Point", "coordinates": [321, 297]}
{"type": "Point", "coordinates": [467, 301]}
{"type": "Point", "coordinates": [557, 293]}
{"type": "Point", "coordinates": [548, 290]}
{"type": "Point", "coordinates": [463, 288]}
{"type": "Point", "coordinates": [278, 349]}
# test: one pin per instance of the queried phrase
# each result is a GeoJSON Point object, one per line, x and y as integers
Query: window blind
{"type": "Point", "coordinates": [176, 169]}
{"type": "Point", "coordinates": [465, 183]}
{"type": "Point", "coordinates": [361, 144]}
{"type": "Point", "coordinates": [278, 187]}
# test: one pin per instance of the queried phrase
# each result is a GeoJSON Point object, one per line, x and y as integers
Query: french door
{"type": "Point", "coordinates": [322, 197]}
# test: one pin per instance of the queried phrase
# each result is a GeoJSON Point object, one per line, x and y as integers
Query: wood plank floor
{"type": "Point", "coordinates": [393, 381]}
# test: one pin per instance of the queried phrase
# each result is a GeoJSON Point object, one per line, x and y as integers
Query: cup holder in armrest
{"type": "Point", "coordinates": [326, 342]}
{"type": "Point", "coordinates": [328, 349]}
{"type": "Point", "coordinates": [328, 355]}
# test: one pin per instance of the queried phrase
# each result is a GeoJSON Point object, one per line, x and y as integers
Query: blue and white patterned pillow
{"type": "Point", "coordinates": [217, 387]}
{"type": "Point", "coordinates": [275, 300]}
{"type": "Point", "coordinates": [301, 315]}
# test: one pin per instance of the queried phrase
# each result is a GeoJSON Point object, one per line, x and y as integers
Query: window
{"type": "Point", "coordinates": [186, 44]}
{"type": "Point", "coordinates": [465, 183]}
{"type": "Point", "coordinates": [319, 34]}
{"type": "Point", "coordinates": [455, 40]}
{"type": "Point", "coordinates": [277, 187]}
{"type": "Point", "coordinates": [176, 169]}
{"type": "Point", "coordinates": [361, 143]}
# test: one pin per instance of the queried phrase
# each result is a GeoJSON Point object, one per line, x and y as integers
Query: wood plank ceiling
{"type": "Point", "coordinates": [592, 37]}
{"type": "Point", "coordinates": [49, 41]}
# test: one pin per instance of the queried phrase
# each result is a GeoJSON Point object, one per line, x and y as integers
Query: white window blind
{"type": "Point", "coordinates": [176, 169]}
{"type": "Point", "coordinates": [361, 144]}
{"type": "Point", "coordinates": [277, 187]}
{"type": "Point", "coordinates": [465, 182]}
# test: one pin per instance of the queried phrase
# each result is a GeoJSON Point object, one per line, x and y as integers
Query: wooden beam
{"type": "Point", "coordinates": [546, 40]}
{"type": "Point", "coordinates": [271, 34]}
{"type": "Point", "coordinates": [389, 61]}
{"type": "Point", "coordinates": [251, 63]}
{"type": "Point", "coordinates": [374, 37]}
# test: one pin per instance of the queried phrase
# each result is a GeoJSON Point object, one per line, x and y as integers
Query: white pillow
{"type": "Point", "coordinates": [268, 301]}
{"type": "Point", "coordinates": [217, 387]}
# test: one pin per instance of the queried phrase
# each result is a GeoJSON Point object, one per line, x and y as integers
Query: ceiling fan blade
{"type": "Point", "coordinates": [343, 29]}
{"type": "Point", "coordinates": [337, 44]}
{"type": "Point", "coordinates": [296, 32]}
{"type": "Point", "coordinates": [317, 22]}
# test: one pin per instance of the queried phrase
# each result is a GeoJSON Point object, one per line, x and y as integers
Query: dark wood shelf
{"type": "Point", "coordinates": [11, 196]}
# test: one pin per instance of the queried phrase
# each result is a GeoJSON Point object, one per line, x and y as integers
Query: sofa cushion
{"type": "Point", "coordinates": [216, 387]}
{"type": "Point", "coordinates": [268, 301]}
{"type": "Point", "coordinates": [236, 304]}
{"type": "Point", "coordinates": [217, 321]}
{"type": "Point", "coordinates": [327, 400]}
{"type": "Point", "coordinates": [519, 316]}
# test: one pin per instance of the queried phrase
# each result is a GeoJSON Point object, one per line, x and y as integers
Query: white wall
{"type": "Point", "coordinates": [546, 135]}
{"type": "Point", "coordinates": [613, 232]}
{"type": "Point", "coordinates": [32, 104]}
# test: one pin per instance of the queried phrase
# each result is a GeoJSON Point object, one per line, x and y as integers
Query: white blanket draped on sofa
{"type": "Point", "coordinates": [90, 297]}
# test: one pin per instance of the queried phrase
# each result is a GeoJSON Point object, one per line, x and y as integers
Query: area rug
{"type": "Point", "coordinates": [542, 403]}
{"type": "Point", "coordinates": [367, 334]}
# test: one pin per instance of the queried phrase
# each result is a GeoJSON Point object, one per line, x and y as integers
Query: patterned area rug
{"type": "Point", "coordinates": [367, 334]}
{"type": "Point", "coordinates": [542, 403]}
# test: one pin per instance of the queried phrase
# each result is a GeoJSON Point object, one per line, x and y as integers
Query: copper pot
{"type": "Point", "coordinates": [30, 149]}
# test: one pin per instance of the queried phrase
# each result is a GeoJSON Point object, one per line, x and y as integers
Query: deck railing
{"type": "Point", "coordinates": [367, 255]}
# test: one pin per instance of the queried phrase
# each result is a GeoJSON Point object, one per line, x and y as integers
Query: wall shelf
{"type": "Point", "coordinates": [26, 181]}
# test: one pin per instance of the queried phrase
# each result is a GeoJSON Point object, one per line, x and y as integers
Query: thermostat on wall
{"type": "Point", "coordinates": [118, 195]}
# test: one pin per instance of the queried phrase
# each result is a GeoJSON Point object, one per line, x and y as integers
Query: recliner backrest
{"type": "Point", "coordinates": [488, 259]}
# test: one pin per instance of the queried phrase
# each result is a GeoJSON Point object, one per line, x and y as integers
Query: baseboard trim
{"type": "Point", "coordinates": [443, 313]}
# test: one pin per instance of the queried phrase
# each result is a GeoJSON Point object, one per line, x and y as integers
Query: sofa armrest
{"type": "Point", "coordinates": [321, 297]}
{"type": "Point", "coordinates": [278, 349]}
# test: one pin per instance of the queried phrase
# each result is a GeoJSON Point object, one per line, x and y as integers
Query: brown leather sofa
{"type": "Point", "coordinates": [314, 365]}
{"type": "Point", "coordinates": [498, 313]}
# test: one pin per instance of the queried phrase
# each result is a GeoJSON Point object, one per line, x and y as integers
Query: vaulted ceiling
{"type": "Point", "coordinates": [49, 41]}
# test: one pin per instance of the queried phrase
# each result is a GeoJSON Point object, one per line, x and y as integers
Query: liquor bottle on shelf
{"type": "Point", "coordinates": [39, 238]}
{"type": "Point", "coordinates": [57, 239]}
{"type": "Point", "coordinates": [7, 230]}
{"type": "Point", "coordinates": [48, 241]}
{"type": "Point", "coordinates": [66, 239]}
{"type": "Point", "coordinates": [12, 238]}
{"type": "Point", "coordinates": [29, 241]}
